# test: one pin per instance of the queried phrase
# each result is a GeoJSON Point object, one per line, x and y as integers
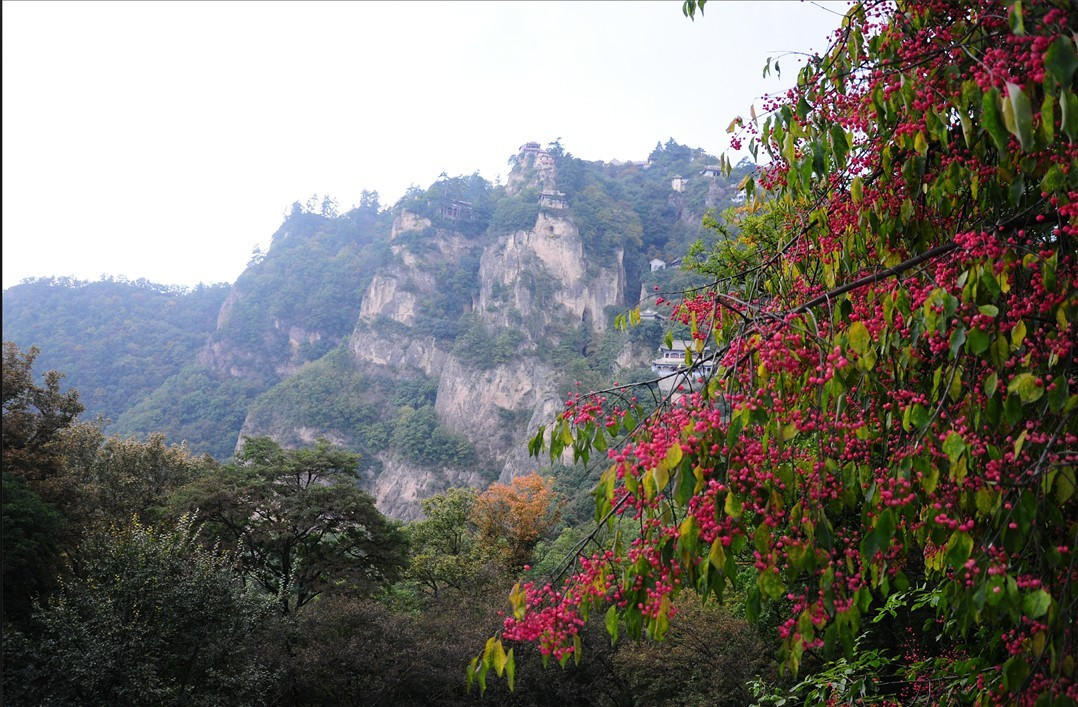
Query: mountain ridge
{"type": "Point", "coordinates": [430, 336]}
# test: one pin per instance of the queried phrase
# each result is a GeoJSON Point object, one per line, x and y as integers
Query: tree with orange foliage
{"type": "Point", "coordinates": [516, 516]}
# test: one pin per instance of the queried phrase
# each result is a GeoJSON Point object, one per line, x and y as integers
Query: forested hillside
{"type": "Point", "coordinates": [404, 333]}
{"type": "Point", "coordinates": [117, 340]}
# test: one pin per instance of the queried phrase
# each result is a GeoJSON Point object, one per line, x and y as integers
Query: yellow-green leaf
{"type": "Point", "coordinates": [1027, 388]}
{"type": "Point", "coordinates": [733, 506]}
{"type": "Point", "coordinates": [717, 556]}
{"type": "Point", "coordinates": [673, 455]}
{"type": "Point", "coordinates": [858, 337]}
{"type": "Point", "coordinates": [500, 658]}
{"type": "Point", "coordinates": [1023, 115]}
{"type": "Point", "coordinates": [1018, 335]}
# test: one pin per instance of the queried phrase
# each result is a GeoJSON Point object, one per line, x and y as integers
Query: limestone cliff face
{"type": "Point", "coordinates": [407, 221]}
{"type": "Point", "coordinates": [496, 408]}
{"type": "Point", "coordinates": [385, 297]}
{"type": "Point", "coordinates": [397, 291]}
{"type": "Point", "coordinates": [398, 353]}
{"type": "Point", "coordinates": [218, 355]}
{"type": "Point", "coordinates": [541, 275]}
{"type": "Point", "coordinates": [401, 486]}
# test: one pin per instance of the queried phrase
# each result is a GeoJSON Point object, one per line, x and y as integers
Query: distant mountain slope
{"type": "Point", "coordinates": [287, 308]}
{"type": "Point", "coordinates": [115, 340]}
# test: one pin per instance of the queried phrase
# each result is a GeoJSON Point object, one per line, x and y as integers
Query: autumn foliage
{"type": "Point", "coordinates": [888, 437]}
{"type": "Point", "coordinates": [516, 516]}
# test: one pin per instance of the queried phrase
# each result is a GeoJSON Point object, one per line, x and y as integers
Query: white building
{"type": "Point", "coordinates": [671, 360]}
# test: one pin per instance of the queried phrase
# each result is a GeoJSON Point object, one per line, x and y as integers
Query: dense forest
{"type": "Point", "coordinates": [858, 487]}
{"type": "Point", "coordinates": [137, 573]}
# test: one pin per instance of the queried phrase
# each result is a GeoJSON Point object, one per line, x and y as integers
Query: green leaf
{"type": "Point", "coordinates": [733, 506]}
{"type": "Point", "coordinates": [1014, 19]}
{"type": "Point", "coordinates": [484, 668]}
{"type": "Point", "coordinates": [958, 549]}
{"type": "Point", "coordinates": [954, 446]}
{"type": "Point", "coordinates": [929, 479]}
{"type": "Point", "coordinates": [856, 190]}
{"type": "Point", "coordinates": [1026, 387]}
{"type": "Point", "coordinates": [977, 341]}
{"type": "Point", "coordinates": [858, 337]}
{"type": "Point", "coordinates": [1015, 671]}
{"type": "Point", "coordinates": [717, 556]}
{"type": "Point", "coordinates": [688, 533]}
{"type": "Point", "coordinates": [511, 670]}
{"type": "Point", "coordinates": [1068, 104]}
{"type": "Point", "coordinates": [612, 623]}
{"type": "Point", "coordinates": [1048, 123]}
{"type": "Point", "coordinates": [1061, 61]}
{"type": "Point", "coordinates": [986, 500]}
{"type": "Point", "coordinates": [1057, 396]}
{"type": "Point", "coordinates": [737, 423]}
{"type": "Point", "coordinates": [673, 455]}
{"type": "Point", "coordinates": [770, 583]}
{"type": "Point", "coordinates": [993, 120]}
{"type": "Point", "coordinates": [1053, 180]}
{"type": "Point", "coordinates": [885, 527]}
{"type": "Point", "coordinates": [958, 337]}
{"type": "Point", "coordinates": [920, 144]}
{"type": "Point", "coordinates": [1035, 604]}
{"type": "Point", "coordinates": [906, 212]}
{"type": "Point", "coordinates": [662, 621]}
{"type": "Point", "coordinates": [839, 145]}
{"type": "Point", "coordinates": [1023, 115]}
{"type": "Point", "coordinates": [919, 415]}
{"type": "Point", "coordinates": [1018, 334]}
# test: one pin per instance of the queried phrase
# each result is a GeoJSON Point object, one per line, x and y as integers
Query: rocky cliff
{"type": "Point", "coordinates": [436, 335]}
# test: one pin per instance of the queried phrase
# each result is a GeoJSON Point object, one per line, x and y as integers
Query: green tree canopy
{"type": "Point", "coordinates": [300, 524]}
{"type": "Point", "coordinates": [152, 618]}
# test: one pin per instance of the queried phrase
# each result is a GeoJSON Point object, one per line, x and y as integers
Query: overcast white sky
{"type": "Point", "coordinates": [165, 140]}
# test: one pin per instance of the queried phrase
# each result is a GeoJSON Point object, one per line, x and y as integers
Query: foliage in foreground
{"type": "Point", "coordinates": [888, 437]}
{"type": "Point", "coordinates": [150, 619]}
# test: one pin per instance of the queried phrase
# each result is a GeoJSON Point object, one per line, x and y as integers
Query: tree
{"type": "Point", "coordinates": [888, 436]}
{"type": "Point", "coordinates": [300, 524]}
{"type": "Point", "coordinates": [369, 200]}
{"type": "Point", "coordinates": [33, 532]}
{"type": "Point", "coordinates": [35, 494]}
{"type": "Point", "coordinates": [117, 478]}
{"type": "Point", "coordinates": [153, 619]}
{"type": "Point", "coordinates": [329, 207]}
{"type": "Point", "coordinates": [445, 549]}
{"type": "Point", "coordinates": [516, 516]}
{"type": "Point", "coordinates": [32, 415]}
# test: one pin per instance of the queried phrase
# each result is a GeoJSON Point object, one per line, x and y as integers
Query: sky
{"type": "Point", "coordinates": [165, 140]}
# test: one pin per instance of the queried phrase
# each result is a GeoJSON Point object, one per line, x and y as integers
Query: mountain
{"type": "Point", "coordinates": [431, 336]}
{"type": "Point", "coordinates": [116, 340]}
